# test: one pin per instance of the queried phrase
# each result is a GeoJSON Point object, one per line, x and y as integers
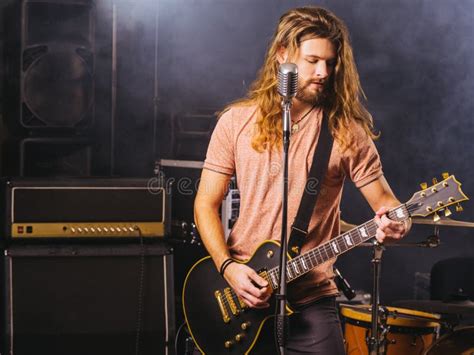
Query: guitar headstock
{"type": "Point", "coordinates": [437, 197]}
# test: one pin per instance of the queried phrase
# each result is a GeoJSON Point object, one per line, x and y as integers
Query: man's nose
{"type": "Point", "coordinates": [321, 70]}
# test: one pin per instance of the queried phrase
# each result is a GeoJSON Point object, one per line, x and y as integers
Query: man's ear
{"type": "Point", "coordinates": [282, 55]}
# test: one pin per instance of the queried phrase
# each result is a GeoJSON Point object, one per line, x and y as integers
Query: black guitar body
{"type": "Point", "coordinates": [212, 332]}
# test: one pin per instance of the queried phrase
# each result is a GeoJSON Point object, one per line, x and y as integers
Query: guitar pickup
{"type": "Point", "coordinates": [220, 302]}
{"type": "Point", "coordinates": [230, 301]}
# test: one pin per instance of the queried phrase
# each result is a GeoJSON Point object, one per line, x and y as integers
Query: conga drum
{"type": "Point", "coordinates": [410, 332]}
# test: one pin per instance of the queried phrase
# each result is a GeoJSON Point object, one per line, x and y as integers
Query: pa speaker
{"type": "Point", "coordinates": [50, 54]}
{"type": "Point", "coordinates": [89, 299]}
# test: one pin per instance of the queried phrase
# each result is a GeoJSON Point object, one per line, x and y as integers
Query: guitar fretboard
{"type": "Point", "coordinates": [303, 263]}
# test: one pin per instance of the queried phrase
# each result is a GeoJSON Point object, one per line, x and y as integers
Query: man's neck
{"type": "Point", "coordinates": [299, 108]}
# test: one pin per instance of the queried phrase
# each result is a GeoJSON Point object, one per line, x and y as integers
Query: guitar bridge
{"type": "Point", "coordinates": [220, 302]}
{"type": "Point", "coordinates": [230, 301]}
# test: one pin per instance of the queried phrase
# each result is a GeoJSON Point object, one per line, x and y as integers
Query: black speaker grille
{"type": "Point", "coordinates": [58, 89]}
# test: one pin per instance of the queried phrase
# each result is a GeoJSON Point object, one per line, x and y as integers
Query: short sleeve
{"type": "Point", "coordinates": [362, 161]}
{"type": "Point", "coordinates": [220, 155]}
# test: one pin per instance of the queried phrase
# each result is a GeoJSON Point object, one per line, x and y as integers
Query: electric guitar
{"type": "Point", "coordinates": [221, 323]}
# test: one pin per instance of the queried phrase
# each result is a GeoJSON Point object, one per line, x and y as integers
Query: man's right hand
{"type": "Point", "coordinates": [248, 285]}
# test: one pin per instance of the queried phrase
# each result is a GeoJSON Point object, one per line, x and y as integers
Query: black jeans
{"type": "Point", "coordinates": [316, 329]}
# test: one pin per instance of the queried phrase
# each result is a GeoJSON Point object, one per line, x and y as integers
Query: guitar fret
{"type": "Point", "coordinates": [307, 258]}
{"type": "Point", "coordinates": [313, 257]}
{"type": "Point", "coordinates": [292, 267]}
{"type": "Point", "coordinates": [363, 232]}
{"type": "Point", "coordinates": [318, 258]}
{"type": "Point", "coordinates": [355, 236]}
{"type": "Point", "coordinates": [331, 249]}
{"type": "Point", "coordinates": [342, 245]}
{"type": "Point", "coordinates": [305, 267]}
{"type": "Point", "coordinates": [326, 252]}
{"type": "Point", "coordinates": [372, 228]}
{"type": "Point", "coordinates": [295, 266]}
{"type": "Point", "coordinates": [348, 240]}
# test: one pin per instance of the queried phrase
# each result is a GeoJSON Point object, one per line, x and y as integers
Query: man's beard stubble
{"type": "Point", "coordinates": [317, 99]}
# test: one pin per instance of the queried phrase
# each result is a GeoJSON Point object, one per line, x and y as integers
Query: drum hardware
{"type": "Point", "coordinates": [443, 221]}
{"type": "Point", "coordinates": [460, 341]}
{"type": "Point", "coordinates": [432, 241]}
{"type": "Point", "coordinates": [405, 331]}
{"type": "Point", "coordinates": [462, 308]}
{"type": "Point", "coordinates": [377, 339]}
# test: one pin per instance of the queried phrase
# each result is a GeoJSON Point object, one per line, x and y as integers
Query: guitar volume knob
{"type": "Point", "coordinates": [228, 344]}
{"type": "Point", "coordinates": [239, 336]}
{"type": "Point", "coordinates": [245, 325]}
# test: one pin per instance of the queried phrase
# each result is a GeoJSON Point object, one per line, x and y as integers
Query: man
{"type": "Point", "coordinates": [247, 141]}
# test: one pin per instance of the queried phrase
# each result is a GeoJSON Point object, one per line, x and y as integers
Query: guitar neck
{"type": "Point", "coordinates": [307, 261]}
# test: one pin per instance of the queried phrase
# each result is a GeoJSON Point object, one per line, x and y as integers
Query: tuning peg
{"type": "Point", "coordinates": [445, 175]}
{"type": "Point", "coordinates": [447, 212]}
{"type": "Point", "coordinates": [435, 181]}
{"type": "Point", "coordinates": [436, 217]}
{"type": "Point", "coordinates": [424, 185]}
{"type": "Point", "coordinates": [459, 208]}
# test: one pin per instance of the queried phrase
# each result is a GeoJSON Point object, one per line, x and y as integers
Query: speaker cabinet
{"type": "Point", "coordinates": [89, 299]}
{"type": "Point", "coordinates": [56, 63]}
{"type": "Point", "coordinates": [40, 157]}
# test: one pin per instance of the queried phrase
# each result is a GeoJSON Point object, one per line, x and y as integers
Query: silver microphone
{"type": "Point", "coordinates": [287, 80]}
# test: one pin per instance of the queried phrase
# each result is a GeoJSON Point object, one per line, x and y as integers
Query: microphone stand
{"type": "Point", "coordinates": [282, 317]}
{"type": "Point", "coordinates": [376, 346]}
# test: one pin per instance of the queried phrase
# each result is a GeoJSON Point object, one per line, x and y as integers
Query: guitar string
{"type": "Point", "coordinates": [410, 207]}
{"type": "Point", "coordinates": [326, 246]}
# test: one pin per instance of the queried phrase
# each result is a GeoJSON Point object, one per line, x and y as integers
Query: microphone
{"type": "Point", "coordinates": [287, 81]}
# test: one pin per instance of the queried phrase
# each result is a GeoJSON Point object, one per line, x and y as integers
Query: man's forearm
{"type": "Point", "coordinates": [212, 234]}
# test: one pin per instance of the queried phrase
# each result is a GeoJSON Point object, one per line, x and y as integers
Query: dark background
{"type": "Point", "coordinates": [161, 68]}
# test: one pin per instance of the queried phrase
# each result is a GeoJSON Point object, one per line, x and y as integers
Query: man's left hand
{"type": "Point", "coordinates": [388, 228]}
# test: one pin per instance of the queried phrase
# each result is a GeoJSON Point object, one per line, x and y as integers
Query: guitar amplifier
{"type": "Point", "coordinates": [83, 208]}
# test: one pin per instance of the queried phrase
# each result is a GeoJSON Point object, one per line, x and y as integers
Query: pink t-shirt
{"type": "Point", "coordinates": [259, 179]}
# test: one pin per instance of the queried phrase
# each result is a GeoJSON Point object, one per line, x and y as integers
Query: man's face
{"type": "Point", "coordinates": [316, 60]}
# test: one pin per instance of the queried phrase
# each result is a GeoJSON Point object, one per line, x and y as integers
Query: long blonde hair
{"type": "Point", "coordinates": [345, 94]}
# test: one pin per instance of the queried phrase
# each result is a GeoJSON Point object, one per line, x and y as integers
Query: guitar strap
{"type": "Point", "coordinates": [299, 229]}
